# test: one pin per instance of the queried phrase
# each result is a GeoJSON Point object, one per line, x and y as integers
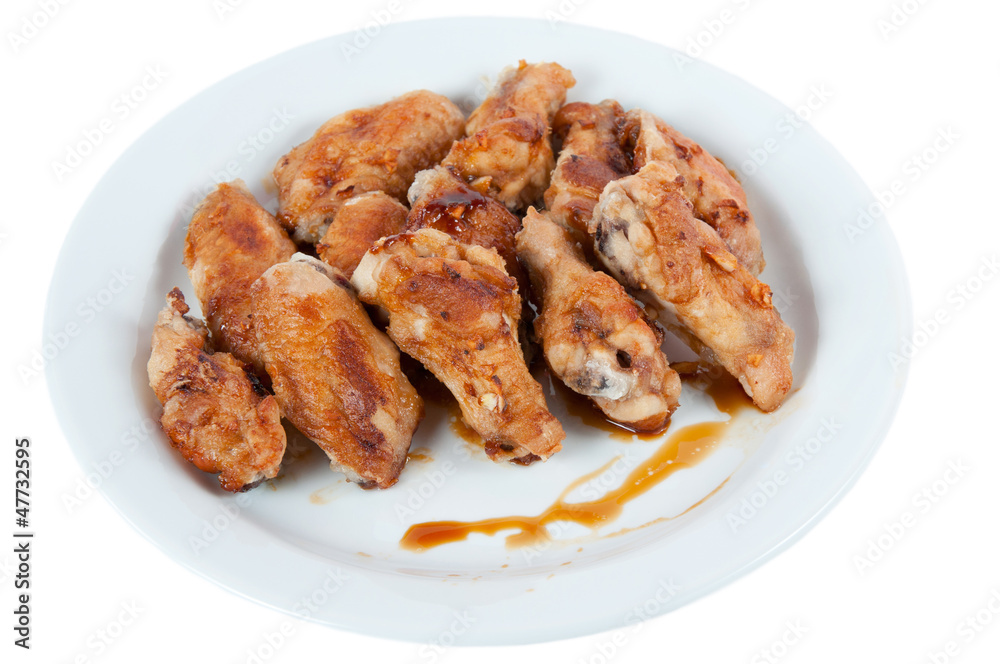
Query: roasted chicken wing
{"type": "Point", "coordinates": [379, 148]}
{"type": "Point", "coordinates": [441, 200]}
{"type": "Point", "coordinates": [230, 241]}
{"type": "Point", "coordinates": [214, 413]}
{"type": "Point", "coordinates": [336, 377]}
{"type": "Point", "coordinates": [646, 232]}
{"type": "Point", "coordinates": [592, 156]}
{"type": "Point", "coordinates": [358, 224]}
{"type": "Point", "coordinates": [454, 308]}
{"type": "Point", "coordinates": [507, 151]}
{"type": "Point", "coordinates": [594, 336]}
{"type": "Point", "coordinates": [717, 198]}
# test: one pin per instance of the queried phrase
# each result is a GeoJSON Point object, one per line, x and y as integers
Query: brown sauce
{"type": "Point", "coordinates": [419, 455]}
{"type": "Point", "coordinates": [461, 429]}
{"type": "Point", "coordinates": [447, 212]}
{"type": "Point", "coordinates": [682, 449]}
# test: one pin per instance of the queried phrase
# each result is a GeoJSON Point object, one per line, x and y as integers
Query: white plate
{"type": "Point", "coordinates": [847, 302]}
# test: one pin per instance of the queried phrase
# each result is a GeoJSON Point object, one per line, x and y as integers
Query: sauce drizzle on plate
{"type": "Point", "coordinates": [682, 449]}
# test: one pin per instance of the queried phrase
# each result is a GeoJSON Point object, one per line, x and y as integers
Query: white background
{"type": "Point", "coordinates": [892, 94]}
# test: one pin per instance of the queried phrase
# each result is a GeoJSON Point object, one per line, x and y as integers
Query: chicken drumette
{"type": "Point", "coordinates": [715, 195]}
{"type": "Point", "coordinates": [454, 308]}
{"type": "Point", "coordinates": [336, 377]}
{"type": "Point", "coordinates": [592, 156]}
{"type": "Point", "coordinates": [379, 148]}
{"type": "Point", "coordinates": [230, 241]}
{"type": "Point", "coordinates": [359, 223]}
{"type": "Point", "coordinates": [214, 413]}
{"type": "Point", "coordinates": [593, 334]}
{"type": "Point", "coordinates": [646, 232]}
{"type": "Point", "coordinates": [507, 151]}
{"type": "Point", "coordinates": [439, 199]}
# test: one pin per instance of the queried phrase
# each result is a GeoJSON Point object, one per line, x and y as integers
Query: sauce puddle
{"type": "Point", "coordinates": [682, 449]}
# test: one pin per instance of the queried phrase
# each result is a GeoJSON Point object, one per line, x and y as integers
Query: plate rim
{"type": "Point", "coordinates": [887, 412]}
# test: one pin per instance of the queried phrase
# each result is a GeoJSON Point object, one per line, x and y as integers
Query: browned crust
{"type": "Point", "coordinates": [212, 412]}
{"type": "Point", "coordinates": [450, 205]}
{"type": "Point", "coordinates": [335, 376]}
{"type": "Point", "coordinates": [360, 223]}
{"type": "Point", "coordinates": [230, 242]}
{"type": "Point", "coordinates": [591, 156]}
{"type": "Point", "coordinates": [717, 198]}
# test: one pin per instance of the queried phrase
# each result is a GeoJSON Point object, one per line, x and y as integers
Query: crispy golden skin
{"type": "Point", "coordinates": [592, 156]}
{"type": "Point", "coordinates": [646, 232]}
{"type": "Point", "coordinates": [379, 148]}
{"type": "Point", "coordinates": [230, 241]}
{"type": "Point", "coordinates": [716, 196]}
{"type": "Point", "coordinates": [452, 307]}
{"type": "Point", "coordinates": [336, 377]}
{"type": "Point", "coordinates": [359, 223]}
{"type": "Point", "coordinates": [507, 151]}
{"type": "Point", "coordinates": [441, 200]}
{"type": "Point", "coordinates": [212, 412]}
{"type": "Point", "coordinates": [593, 335]}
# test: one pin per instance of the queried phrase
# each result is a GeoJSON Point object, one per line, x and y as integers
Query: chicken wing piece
{"type": "Point", "coordinates": [214, 413]}
{"type": "Point", "coordinates": [441, 200]}
{"type": "Point", "coordinates": [507, 152]}
{"type": "Point", "coordinates": [379, 148]}
{"type": "Point", "coordinates": [591, 157]}
{"type": "Point", "coordinates": [359, 223]}
{"type": "Point", "coordinates": [452, 307]}
{"type": "Point", "coordinates": [593, 335]}
{"type": "Point", "coordinates": [646, 232]}
{"type": "Point", "coordinates": [335, 376]}
{"type": "Point", "coordinates": [717, 197]}
{"type": "Point", "coordinates": [230, 241]}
